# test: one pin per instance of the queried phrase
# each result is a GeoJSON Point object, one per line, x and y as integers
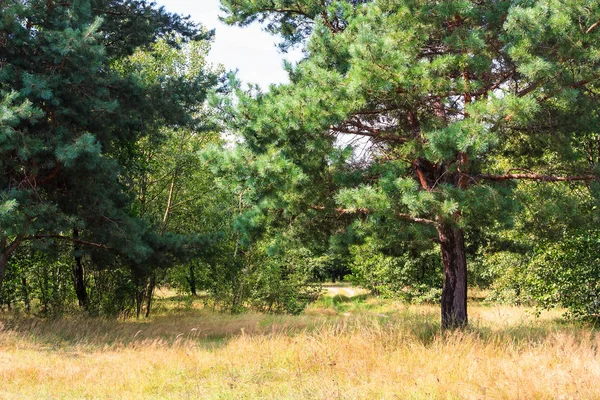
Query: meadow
{"type": "Point", "coordinates": [347, 345]}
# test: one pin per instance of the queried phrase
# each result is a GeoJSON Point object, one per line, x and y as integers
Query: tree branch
{"type": "Point", "coordinates": [8, 250]}
{"type": "Point", "coordinates": [417, 219]}
{"type": "Point", "coordinates": [11, 247]}
{"type": "Point", "coordinates": [528, 89]}
{"type": "Point", "coordinates": [299, 12]}
{"type": "Point", "coordinates": [375, 135]}
{"type": "Point", "coordinates": [366, 211]}
{"type": "Point", "coordinates": [536, 177]}
{"type": "Point", "coordinates": [594, 26]}
{"type": "Point", "coordinates": [70, 239]}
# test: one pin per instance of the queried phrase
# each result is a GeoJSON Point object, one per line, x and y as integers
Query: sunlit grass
{"type": "Point", "coordinates": [349, 348]}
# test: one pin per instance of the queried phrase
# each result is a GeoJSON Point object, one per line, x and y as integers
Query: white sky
{"type": "Point", "coordinates": [250, 50]}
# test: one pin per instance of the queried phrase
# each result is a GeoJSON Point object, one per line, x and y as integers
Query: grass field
{"type": "Point", "coordinates": [343, 347]}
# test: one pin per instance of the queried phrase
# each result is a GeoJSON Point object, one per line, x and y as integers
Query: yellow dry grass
{"type": "Point", "coordinates": [372, 350]}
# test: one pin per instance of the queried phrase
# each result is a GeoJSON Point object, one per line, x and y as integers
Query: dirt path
{"type": "Point", "coordinates": [344, 291]}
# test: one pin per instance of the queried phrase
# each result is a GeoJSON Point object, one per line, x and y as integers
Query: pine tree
{"type": "Point", "coordinates": [453, 101]}
{"type": "Point", "coordinates": [70, 119]}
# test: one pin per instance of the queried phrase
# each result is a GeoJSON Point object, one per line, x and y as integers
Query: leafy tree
{"type": "Point", "coordinates": [265, 261]}
{"type": "Point", "coordinates": [566, 274]}
{"type": "Point", "coordinates": [69, 119]}
{"type": "Point", "coordinates": [410, 274]}
{"type": "Point", "coordinates": [163, 169]}
{"type": "Point", "coordinates": [547, 257]}
{"type": "Point", "coordinates": [455, 101]}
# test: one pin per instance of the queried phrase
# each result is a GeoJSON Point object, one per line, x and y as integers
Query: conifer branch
{"type": "Point", "coordinates": [528, 89]}
{"type": "Point", "coordinates": [108, 12]}
{"type": "Point", "coordinates": [51, 176]}
{"type": "Point", "coordinates": [536, 177]}
{"type": "Point", "coordinates": [366, 211]}
{"type": "Point", "coordinates": [283, 10]}
{"type": "Point", "coordinates": [418, 220]}
{"type": "Point", "coordinates": [70, 239]}
{"type": "Point", "coordinates": [12, 246]}
{"type": "Point", "coordinates": [594, 26]}
{"type": "Point", "coordinates": [375, 134]}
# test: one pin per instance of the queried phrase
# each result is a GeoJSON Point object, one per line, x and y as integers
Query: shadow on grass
{"type": "Point", "coordinates": [203, 328]}
{"type": "Point", "coordinates": [213, 330]}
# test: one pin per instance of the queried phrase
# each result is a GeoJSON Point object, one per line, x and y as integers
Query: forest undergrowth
{"type": "Point", "coordinates": [342, 347]}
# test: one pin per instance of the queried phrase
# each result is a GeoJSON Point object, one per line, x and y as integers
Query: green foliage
{"type": "Point", "coordinates": [407, 120]}
{"type": "Point", "coordinates": [546, 258]}
{"type": "Point", "coordinates": [566, 274]}
{"type": "Point", "coordinates": [112, 292]}
{"type": "Point", "coordinates": [444, 106]}
{"type": "Point", "coordinates": [283, 283]}
{"type": "Point", "coordinates": [409, 274]}
{"type": "Point", "coordinates": [82, 86]}
{"type": "Point", "coordinates": [38, 281]}
{"type": "Point", "coordinates": [255, 279]}
{"type": "Point", "coordinates": [293, 20]}
{"type": "Point", "coordinates": [507, 274]}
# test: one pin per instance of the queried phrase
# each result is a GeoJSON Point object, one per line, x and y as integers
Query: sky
{"type": "Point", "coordinates": [250, 50]}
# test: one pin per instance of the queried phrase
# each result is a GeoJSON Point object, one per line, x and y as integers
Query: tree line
{"type": "Point", "coordinates": [415, 138]}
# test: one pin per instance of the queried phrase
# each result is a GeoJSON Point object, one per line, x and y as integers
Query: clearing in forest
{"type": "Point", "coordinates": [342, 347]}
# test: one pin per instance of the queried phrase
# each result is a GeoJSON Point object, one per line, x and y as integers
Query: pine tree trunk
{"type": "Point", "coordinates": [139, 300]}
{"type": "Point", "coordinates": [149, 294]}
{"type": "Point", "coordinates": [454, 292]}
{"type": "Point", "coordinates": [191, 278]}
{"type": "Point", "coordinates": [79, 282]}
{"type": "Point", "coordinates": [25, 289]}
{"type": "Point", "coordinates": [79, 276]}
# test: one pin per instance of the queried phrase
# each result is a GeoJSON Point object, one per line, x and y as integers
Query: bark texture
{"type": "Point", "coordinates": [191, 278]}
{"type": "Point", "coordinates": [79, 274]}
{"type": "Point", "coordinates": [454, 291]}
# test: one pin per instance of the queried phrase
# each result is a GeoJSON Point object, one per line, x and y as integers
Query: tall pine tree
{"type": "Point", "coordinates": [454, 102]}
{"type": "Point", "coordinates": [69, 119]}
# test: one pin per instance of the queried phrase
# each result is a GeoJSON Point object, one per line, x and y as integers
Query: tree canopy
{"type": "Point", "coordinates": [71, 116]}
{"type": "Point", "coordinates": [451, 102]}
{"type": "Point", "coordinates": [414, 138]}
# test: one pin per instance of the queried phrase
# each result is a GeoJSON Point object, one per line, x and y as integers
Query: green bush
{"type": "Point", "coordinates": [413, 276]}
{"type": "Point", "coordinates": [567, 274]}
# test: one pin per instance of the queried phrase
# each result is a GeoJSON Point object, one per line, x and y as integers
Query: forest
{"type": "Point", "coordinates": [432, 156]}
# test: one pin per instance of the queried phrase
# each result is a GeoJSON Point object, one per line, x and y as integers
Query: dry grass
{"type": "Point", "coordinates": [370, 349]}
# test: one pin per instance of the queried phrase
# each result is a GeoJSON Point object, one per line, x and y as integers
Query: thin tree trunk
{"type": "Point", "coordinates": [26, 299]}
{"type": "Point", "coordinates": [150, 294]}
{"type": "Point", "coordinates": [151, 284]}
{"type": "Point", "coordinates": [139, 299]}
{"type": "Point", "coordinates": [454, 292]}
{"type": "Point", "coordinates": [79, 275]}
{"type": "Point", "coordinates": [79, 282]}
{"type": "Point", "coordinates": [191, 278]}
